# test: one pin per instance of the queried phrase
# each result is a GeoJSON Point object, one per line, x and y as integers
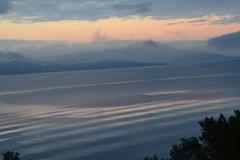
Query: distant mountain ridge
{"type": "Point", "coordinates": [6, 57]}
{"type": "Point", "coordinates": [227, 41]}
{"type": "Point", "coordinates": [26, 67]}
{"type": "Point", "coordinates": [146, 53]}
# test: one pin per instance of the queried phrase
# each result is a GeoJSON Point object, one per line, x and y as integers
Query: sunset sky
{"type": "Point", "coordinates": [102, 20]}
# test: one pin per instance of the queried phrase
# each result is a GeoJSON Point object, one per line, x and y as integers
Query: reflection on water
{"type": "Point", "coordinates": [106, 114]}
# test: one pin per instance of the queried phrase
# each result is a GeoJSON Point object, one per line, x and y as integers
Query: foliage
{"type": "Point", "coordinates": [11, 156]}
{"type": "Point", "coordinates": [219, 140]}
{"type": "Point", "coordinates": [221, 137]}
{"type": "Point", "coordinates": [189, 149]}
{"type": "Point", "coordinates": [154, 157]}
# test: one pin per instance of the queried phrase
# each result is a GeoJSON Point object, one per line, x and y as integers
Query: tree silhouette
{"type": "Point", "coordinates": [154, 157]}
{"type": "Point", "coordinates": [189, 149]}
{"type": "Point", "coordinates": [219, 140]}
{"type": "Point", "coordinates": [221, 137]}
{"type": "Point", "coordinates": [11, 156]}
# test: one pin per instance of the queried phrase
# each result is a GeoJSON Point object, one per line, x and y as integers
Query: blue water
{"type": "Point", "coordinates": [112, 114]}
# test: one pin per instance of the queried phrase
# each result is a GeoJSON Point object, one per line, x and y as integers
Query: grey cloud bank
{"type": "Point", "coordinates": [52, 10]}
{"type": "Point", "coordinates": [4, 6]}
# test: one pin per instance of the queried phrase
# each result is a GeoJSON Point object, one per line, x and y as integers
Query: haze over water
{"type": "Point", "coordinates": [114, 113]}
{"type": "Point", "coordinates": [116, 79]}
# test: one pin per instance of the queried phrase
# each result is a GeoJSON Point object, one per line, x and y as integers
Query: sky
{"type": "Point", "coordinates": [84, 21]}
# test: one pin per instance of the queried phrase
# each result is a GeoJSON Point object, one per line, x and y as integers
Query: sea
{"type": "Point", "coordinates": [112, 114]}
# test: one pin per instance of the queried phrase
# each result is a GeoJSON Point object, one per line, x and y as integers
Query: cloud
{"type": "Point", "coordinates": [99, 37]}
{"type": "Point", "coordinates": [54, 10]}
{"type": "Point", "coordinates": [4, 6]}
{"type": "Point", "coordinates": [135, 28]}
{"type": "Point", "coordinates": [205, 20]}
{"type": "Point", "coordinates": [227, 41]}
{"type": "Point", "coordinates": [135, 7]}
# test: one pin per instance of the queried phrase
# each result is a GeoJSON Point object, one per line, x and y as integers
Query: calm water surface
{"type": "Point", "coordinates": [111, 114]}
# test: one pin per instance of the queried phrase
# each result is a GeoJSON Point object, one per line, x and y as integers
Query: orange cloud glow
{"type": "Point", "coordinates": [134, 28]}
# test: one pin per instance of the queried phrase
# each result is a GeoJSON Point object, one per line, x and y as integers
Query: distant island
{"type": "Point", "coordinates": [27, 67]}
